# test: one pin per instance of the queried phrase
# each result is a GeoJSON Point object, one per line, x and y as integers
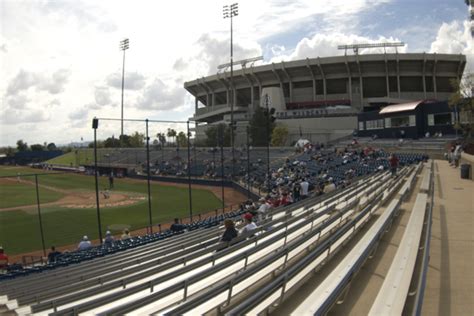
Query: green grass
{"type": "Point", "coordinates": [19, 230]}
{"type": "Point", "coordinates": [14, 170]}
{"type": "Point", "coordinates": [78, 157]}
{"type": "Point", "coordinates": [19, 194]}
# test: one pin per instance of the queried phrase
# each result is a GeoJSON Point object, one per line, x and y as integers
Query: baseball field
{"type": "Point", "coordinates": [68, 207]}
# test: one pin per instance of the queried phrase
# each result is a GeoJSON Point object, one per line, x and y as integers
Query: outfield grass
{"type": "Point", "coordinates": [14, 194]}
{"type": "Point", "coordinates": [19, 230]}
{"type": "Point", "coordinates": [78, 157]}
{"type": "Point", "coordinates": [14, 170]}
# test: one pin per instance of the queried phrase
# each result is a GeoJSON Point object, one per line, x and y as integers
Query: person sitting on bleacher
{"type": "Point", "coordinates": [53, 255]}
{"type": "Point", "coordinates": [84, 244]}
{"type": "Point", "coordinates": [249, 225]}
{"type": "Point", "coordinates": [125, 235]}
{"type": "Point", "coordinates": [230, 231]}
{"type": "Point", "coordinates": [3, 259]}
{"type": "Point", "coordinates": [109, 239]}
{"type": "Point", "coordinates": [329, 186]}
{"type": "Point", "coordinates": [176, 226]}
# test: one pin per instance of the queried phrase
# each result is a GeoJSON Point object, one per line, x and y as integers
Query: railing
{"type": "Point", "coordinates": [421, 283]}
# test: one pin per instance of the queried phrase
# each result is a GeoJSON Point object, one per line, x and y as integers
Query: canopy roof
{"type": "Point", "coordinates": [401, 107]}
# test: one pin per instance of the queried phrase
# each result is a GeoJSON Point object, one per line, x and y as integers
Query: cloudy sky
{"type": "Point", "coordinates": [61, 65]}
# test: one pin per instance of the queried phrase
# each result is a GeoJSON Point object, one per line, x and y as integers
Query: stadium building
{"type": "Point", "coordinates": [320, 98]}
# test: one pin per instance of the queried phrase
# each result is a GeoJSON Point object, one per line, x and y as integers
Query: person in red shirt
{"type": "Point", "coordinates": [393, 160]}
{"type": "Point", "coordinates": [3, 259]}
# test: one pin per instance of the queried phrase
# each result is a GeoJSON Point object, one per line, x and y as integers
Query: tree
{"type": "Point", "coordinates": [51, 146]}
{"type": "Point", "coordinates": [213, 133]}
{"type": "Point", "coordinates": [182, 139]}
{"type": "Point", "coordinates": [111, 142]}
{"type": "Point", "coordinates": [171, 133]}
{"type": "Point", "coordinates": [137, 140]}
{"type": "Point", "coordinates": [161, 138]}
{"type": "Point", "coordinates": [258, 127]}
{"type": "Point", "coordinates": [124, 140]}
{"type": "Point", "coordinates": [21, 146]}
{"type": "Point", "coordinates": [37, 147]}
{"type": "Point", "coordinates": [463, 102]}
{"type": "Point", "coordinates": [280, 135]}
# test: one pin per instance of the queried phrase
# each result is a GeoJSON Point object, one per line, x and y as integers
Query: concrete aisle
{"type": "Point", "coordinates": [450, 280]}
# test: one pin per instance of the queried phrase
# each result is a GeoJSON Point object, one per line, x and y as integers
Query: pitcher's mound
{"type": "Point", "coordinates": [106, 199]}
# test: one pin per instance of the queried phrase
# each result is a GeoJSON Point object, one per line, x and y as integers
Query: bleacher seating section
{"type": "Point", "coordinates": [192, 273]}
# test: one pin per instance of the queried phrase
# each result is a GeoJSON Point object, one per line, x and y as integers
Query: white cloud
{"type": "Point", "coordinates": [159, 96]}
{"type": "Point", "coordinates": [53, 83]}
{"type": "Point", "coordinates": [455, 38]}
{"type": "Point", "coordinates": [79, 114]}
{"type": "Point", "coordinates": [322, 45]}
{"type": "Point", "coordinates": [17, 101]}
{"type": "Point", "coordinates": [17, 116]}
{"type": "Point", "coordinates": [132, 81]}
{"type": "Point", "coordinates": [102, 96]}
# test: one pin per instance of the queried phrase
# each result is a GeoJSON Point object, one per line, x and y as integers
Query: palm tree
{"type": "Point", "coordinates": [171, 133]}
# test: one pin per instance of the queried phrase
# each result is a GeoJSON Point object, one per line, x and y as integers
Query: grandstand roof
{"type": "Point", "coordinates": [409, 106]}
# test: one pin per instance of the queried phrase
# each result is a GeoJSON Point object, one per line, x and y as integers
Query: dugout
{"type": "Point", "coordinates": [409, 120]}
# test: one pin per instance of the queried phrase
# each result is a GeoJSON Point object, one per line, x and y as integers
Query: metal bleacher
{"type": "Point", "coordinates": [179, 262]}
{"type": "Point", "coordinates": [193, 273]}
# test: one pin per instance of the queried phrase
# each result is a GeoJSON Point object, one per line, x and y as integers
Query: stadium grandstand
{"type": "Point", "coordinates": [320, 98]}
{"type": "Point", "coordinates": [326, 253]}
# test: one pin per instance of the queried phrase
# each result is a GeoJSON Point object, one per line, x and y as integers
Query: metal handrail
{"type": "Point", "coordinates": [421, 284]}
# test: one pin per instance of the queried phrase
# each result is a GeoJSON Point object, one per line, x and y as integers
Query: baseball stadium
{"type": "Point", "coordinates": [337, 185]}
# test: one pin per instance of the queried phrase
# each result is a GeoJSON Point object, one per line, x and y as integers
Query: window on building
{"type": "Point", "coordinates": [401, 121]}
{"type": "Point", "coordinates": [374, 124]}
{"type": "Point", "coordinates": [361, 126]}
{"type": "Point", "coordinates": [442, 119]}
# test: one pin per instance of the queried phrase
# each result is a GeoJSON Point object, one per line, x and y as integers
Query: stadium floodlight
{"type": "Point", "coordinates": [230, 11]}
{"type": "Point", "coordinates": [356, 47]}
{"type": "Point", "coordinates": [124, 45]}
{"type": "Point", "coordinates": [242, 62]}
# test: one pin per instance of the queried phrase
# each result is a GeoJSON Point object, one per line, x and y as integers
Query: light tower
{"type": "Point", "coordinates": [124, 45]}
{"type": "Point", "coordinates": [230, 12]}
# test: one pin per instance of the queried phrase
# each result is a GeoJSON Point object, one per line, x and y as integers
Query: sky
{"type": "Point", "coordinates": [60, 62]}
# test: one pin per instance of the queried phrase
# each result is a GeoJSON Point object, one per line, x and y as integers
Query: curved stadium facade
{"type": "Point", "coordinates": [319, 98]}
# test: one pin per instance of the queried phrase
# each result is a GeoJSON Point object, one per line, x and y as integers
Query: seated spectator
{"type": "Point", "coordinates": [125, 235]}
{"type": "Point", "coordinates": [53, 255]}
{"type": "Point", "coordinates": [249, 225]}
{"type": "Point", "coordinates": [176, 226]}
{"type": "Point", "coordinates": [84, 244]}
{"type": "Point", "coordinates": [3, 259]}
{"type": "Point", "coordinates": [230, 231]}
{"type": "Point", "coordinates": [109, 239]}
{"type": "Point", "coordinates": [329, 187]}
{"type": "Point", "coordinates": [263, 209]}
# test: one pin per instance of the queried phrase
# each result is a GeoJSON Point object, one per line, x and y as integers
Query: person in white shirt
{"type": "Point", "coordinates": [249, 225]}
{"type": "Point", "coordinates": [263, 209]}
{"type": "Point", "coordinates": [304, 189]}
{"type": "Point", "coordinates": [84, 244]}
